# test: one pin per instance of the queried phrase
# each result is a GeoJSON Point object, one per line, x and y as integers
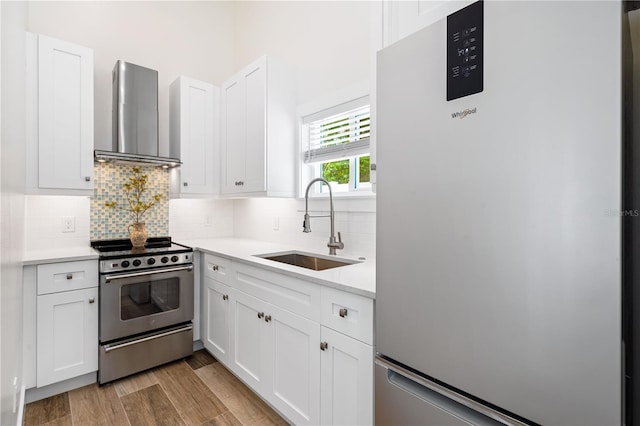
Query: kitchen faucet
{"type": "Point", "coordinates": [333, 244]}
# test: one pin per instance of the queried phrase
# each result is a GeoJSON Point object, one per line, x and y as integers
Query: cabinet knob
{"type": "Point", "coordinates": [87, 178]}
{"type": "Point", "coordinates": [267, 318]}
{"type": "Point", "coordinates": [225, 297]}
{"type": "Point", "coordinates": [215, 267]}
{"type": "Point", "coordinates": [92, 299]}
{"type": "Point", "coordinates": [260, 315]}
{"type": "Point", "coordinates": [343, 312]}
{"type": "Point", "coordinates": [185, 184]}
{"type": "Point", "coordinates": [324, 346]}
{"type": "Point", "coordinates": [241, 183]}
{"type": "Point", "coordinates": [69, 276]}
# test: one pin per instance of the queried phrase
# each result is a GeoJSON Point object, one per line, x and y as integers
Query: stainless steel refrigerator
{"type": "Point", "coordinates": [499, 275]}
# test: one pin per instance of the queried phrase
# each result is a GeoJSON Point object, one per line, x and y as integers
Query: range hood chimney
{"type": "Point", "coordinates": [135, 117]}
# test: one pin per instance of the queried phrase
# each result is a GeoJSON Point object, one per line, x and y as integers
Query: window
{"type": "Point", "coordinates": [335, 146]}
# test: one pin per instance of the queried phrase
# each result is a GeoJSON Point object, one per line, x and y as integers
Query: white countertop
{"type": "Point", "coordinates": [358, 278]}
{"type": "Point", "coordinates": [65, 254]}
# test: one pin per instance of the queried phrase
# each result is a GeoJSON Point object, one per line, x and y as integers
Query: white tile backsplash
{"type": "Point", "coordinates": [209, 218]}
{"type": "Point", "coordinates": [254, 218]}
{"type": "Point", "coordinates": [200, 218]}
{"type": "Point", "coordinates": [43, 221]}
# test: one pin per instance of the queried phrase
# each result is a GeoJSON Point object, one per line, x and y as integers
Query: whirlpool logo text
{"type": "Point", "coordinates": [463, 114]}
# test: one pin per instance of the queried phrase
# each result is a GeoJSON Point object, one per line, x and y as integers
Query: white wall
{"type": "Point", "coordinates": [174, 38]}
{"type": "Point", "coordinates": [328, 41]}
{"type": "Point", "coordinates": [12, 142]}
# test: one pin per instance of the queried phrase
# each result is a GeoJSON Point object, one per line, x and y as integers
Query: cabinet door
{"type": "Point", "coordinates": [346, 380]}
{"type": "Point", "coordinates": [65, 115]}
{"type": "Point", "coordinates": [295, 389]}
{"type": "Point", "coordinates": [67, 330]}
{"type": "Point", "coordinates": [249, 355]}
{"type": "Point", "coordinates": [233, 135]}
{"type": "Point", "coordinates": [196, 136]}
{"type": "Point", "coordinates": [216, 320]}
{"type": "Point", "coordinates": [255, 80]}
{"type": "Point", "coordinates": [403, 18]}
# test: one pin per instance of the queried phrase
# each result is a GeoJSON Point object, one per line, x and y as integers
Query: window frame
{"type": "Point", "coordinates": [308, 171]}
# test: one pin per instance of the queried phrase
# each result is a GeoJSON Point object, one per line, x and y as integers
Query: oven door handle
{"type": "Point", "coordinates": [111, 347]}
{"type": "Point", "coordinates": [150, 272]}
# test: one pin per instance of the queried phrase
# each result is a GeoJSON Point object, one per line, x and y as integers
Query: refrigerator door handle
{"type": "Point", "coordinates": [444, 398]}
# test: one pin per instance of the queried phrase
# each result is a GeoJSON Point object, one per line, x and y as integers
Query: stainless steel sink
{"type": "Point", "coordinates": [308, 260]}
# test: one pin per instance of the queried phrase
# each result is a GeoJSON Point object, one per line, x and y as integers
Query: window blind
{"type": "Point", "coordinates": [345, 134]}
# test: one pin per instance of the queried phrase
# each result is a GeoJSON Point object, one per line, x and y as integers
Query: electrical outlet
{"type": "Point", "coordinates": [68, 224]}
{"type": "Point", "coordinates": [208, 220]}
{"type": "Point", "coordinates": [276, 223]}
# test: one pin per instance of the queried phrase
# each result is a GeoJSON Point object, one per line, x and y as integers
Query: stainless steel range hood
{"type": "Point", "coordinates": [135, 117]}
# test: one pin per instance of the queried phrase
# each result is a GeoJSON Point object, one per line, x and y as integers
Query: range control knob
{"type": "Point", "coordinates": [124, 264]}
{"type": "Point", "coordinates": [174, 258]}
{"type": "Point", "coordinates": [137, 262]}
{"type": "Point", "coordinates": [164, 259]}
{"type": "Point", "coordinates": [151, 261]}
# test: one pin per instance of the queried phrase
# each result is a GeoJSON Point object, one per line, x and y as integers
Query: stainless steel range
{"type": "Point", "coordinates": [146, 305]}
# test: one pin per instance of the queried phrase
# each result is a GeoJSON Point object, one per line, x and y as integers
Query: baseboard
{"type": "Point", "coordinates": [197, 345]}
{"type": "Point", "coordinates": [36, 394]}
{"type": "Point", "coordinates": [21, 405]}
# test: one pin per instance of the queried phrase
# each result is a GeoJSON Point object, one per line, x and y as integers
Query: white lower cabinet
{"type": "Point", "coordinates": [67, 335]}
{"type": "Point", "coordinates": [277, 353]}
{"type": "Point", "coordinates": [249, 341]}
{"type": "Point", "coordinates": [60, 322]}
{"type": "Point", "coordinates": [295, 353]}
{"type": "Point", "coordinates": [346, 380]}
{"type": "Point", "coordinates": [216, 320]}
{"type": "Point", "coordinates": [310, 373]}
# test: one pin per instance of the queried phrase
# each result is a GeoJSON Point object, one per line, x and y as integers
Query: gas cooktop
{"type": "Point", "coordinates": [119, 255]}
{"type": "Point", "coordinates": [123, 248]}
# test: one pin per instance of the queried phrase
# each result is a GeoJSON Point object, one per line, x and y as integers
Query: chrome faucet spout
{"type": "Point", "coordinates": [306, 224]}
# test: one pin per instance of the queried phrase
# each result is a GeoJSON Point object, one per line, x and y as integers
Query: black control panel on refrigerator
{"type": "Point", "coordinates": [464, 51]}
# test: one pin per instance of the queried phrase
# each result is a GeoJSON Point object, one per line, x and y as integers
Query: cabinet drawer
{"type": "Point", "coordinates": [293, 294]}
{"type": "Point", "coordinates": [217, 268]}
{"type": "Point", "coordinates": [65, 276]}
{"type": "Point", "coordinates": [347, 313]}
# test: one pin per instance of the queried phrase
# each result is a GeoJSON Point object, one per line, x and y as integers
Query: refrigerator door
{"type": "Point", "coordinates": [403, 398]}
{"type": "Point", "coordinates": [498, 234]}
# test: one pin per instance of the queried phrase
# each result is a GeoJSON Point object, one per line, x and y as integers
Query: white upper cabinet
{"type": "Point", "coordinates": [60, 109]}
{"type": "Point", "coordinates": [402, 18]}
{"type": "Point", "coordinates": [258, 131]}
{"type": "Point", "coordinates": [193, 132]}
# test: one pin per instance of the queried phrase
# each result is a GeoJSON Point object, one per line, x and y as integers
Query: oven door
{"type": "Point", "coordinates": [138, 302]}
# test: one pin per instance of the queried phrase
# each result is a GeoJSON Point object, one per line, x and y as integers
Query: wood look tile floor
{"type": "Point", "coordinates": [195, 391]}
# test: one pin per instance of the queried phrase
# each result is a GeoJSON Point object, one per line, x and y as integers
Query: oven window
{"type": "Point", "coordinates": [142, 299]}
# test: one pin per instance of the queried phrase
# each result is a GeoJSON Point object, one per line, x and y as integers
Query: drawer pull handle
{"type": "Point", "coordinates": [343, 312]}
{"type": "Point", "coordinates": [260, 315]}
{"type": "Point", "coordinates": [92, 299]}
{"type": "Point", "coordinates": [225, 297]}
{"type": "Point", "coordinates": [324, 346]}
{"type": "Point", "coordinates": [267, 318]}
{"type": "Point", "coordinates": [69, 276]}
